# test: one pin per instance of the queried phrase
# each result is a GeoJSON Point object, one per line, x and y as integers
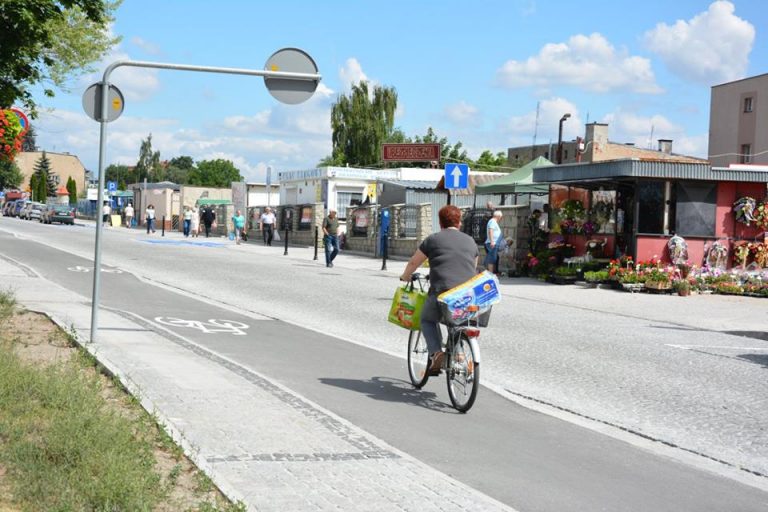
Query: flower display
{"type": "Point", "coordinates": [10, 134]}
{"type": "Point", "coordinates": [744, 208]}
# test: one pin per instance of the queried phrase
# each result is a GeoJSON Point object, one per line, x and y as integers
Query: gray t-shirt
{"type": "Point", "coordinates": [452, 256]}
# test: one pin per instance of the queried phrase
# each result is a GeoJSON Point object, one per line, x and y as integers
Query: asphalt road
{"type": "Point", "coordinates": [528, 460]}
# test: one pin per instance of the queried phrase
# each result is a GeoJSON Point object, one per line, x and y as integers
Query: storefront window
{"type": "Point", "coordinates": [650, 198]}
{"type": "Point", "coordinates": [695, 209]}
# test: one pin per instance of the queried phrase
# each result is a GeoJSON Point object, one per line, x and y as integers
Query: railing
{"type": "Point", "coordinates": [407, 219]}
{"type": "Point", "coordinates": [474, 223]}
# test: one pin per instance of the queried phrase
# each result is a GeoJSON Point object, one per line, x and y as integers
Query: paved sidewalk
{"type": "Point", "coordinates": [259, 441]}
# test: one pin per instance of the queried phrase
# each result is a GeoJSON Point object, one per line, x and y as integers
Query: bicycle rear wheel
{"type": "Point", "coordinates": [418, 359]}
{"type": "Point", "coordinates": [463, 374]}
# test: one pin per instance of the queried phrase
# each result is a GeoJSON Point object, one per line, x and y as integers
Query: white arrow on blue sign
{"type": "Point", "coordinates": [456, 176]}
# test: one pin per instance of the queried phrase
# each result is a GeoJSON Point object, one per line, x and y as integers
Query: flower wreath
{"type": "Point", "coordinates": [761, 214]}
{"type": "Point", "coordinates": [602, 210]}
{"type": "Point", "coordinates": [744, 208]}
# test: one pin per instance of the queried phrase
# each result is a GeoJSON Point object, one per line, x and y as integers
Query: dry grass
{"type": "Point", "coordinates": [72, 439]}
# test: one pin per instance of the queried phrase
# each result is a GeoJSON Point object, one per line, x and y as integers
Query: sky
{"type": "Point", "coordinates": [474, 71]}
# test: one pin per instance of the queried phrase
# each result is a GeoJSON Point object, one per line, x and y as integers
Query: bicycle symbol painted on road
{"type": "Point", "coordinates": [210, 327]}
{"type": "Point", "coordinates": [80, 268]}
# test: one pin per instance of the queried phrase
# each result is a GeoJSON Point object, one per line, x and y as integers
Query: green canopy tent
{"type": "Point", "coordinates": [519, 181]}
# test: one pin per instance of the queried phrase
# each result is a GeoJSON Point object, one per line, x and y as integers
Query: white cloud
{"type": "Point", "coordinates": [712, 47]}
{"type": "Point", "coordinates": [146, 46]}
{"type": "Point", "coordinates": [462, 113]}
{"type": "Point", "coordinates": [352, 73]}
{"type": "Point", "coordinates": [588, 62]}
{"type": "Point", "coordinates": [550, 112]}
{"type": "Point", "coordinates": [136, 84]}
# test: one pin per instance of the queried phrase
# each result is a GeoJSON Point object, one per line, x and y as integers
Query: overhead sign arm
{"type": "Point", "coordinates": [290, 75]}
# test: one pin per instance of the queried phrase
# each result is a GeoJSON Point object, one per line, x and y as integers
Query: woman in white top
{"type": "Point", "coordinates": [267, 225]}
{"type": "Point", "coordinates": [493, 241]}
{"type": "Point", "coordinates": [194, 226]}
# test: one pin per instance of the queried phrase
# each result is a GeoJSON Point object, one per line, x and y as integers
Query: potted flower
{"type": "Point", "coordinates": [657, 279]}
{"type": "Point", "coordinates": [682, 287]}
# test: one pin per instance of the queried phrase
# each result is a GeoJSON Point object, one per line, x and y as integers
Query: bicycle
{"type": "Point", "coordinates": [461, 363]}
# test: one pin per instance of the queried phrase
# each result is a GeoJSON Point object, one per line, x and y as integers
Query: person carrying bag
{"type": "Point", "coordinates": [406, 308]}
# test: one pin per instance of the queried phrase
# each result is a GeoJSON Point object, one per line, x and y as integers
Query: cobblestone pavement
{"type": "Point", "coordinates": [260, 442]}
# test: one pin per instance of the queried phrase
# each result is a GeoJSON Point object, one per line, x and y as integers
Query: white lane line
{"type": "Point", "coordinates": [693, 347]}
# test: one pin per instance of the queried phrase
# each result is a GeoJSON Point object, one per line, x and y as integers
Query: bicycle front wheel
{"type": "Point", "coordinates": [463, 375]}
{"type": "Point", "coordinates": [418, 359]}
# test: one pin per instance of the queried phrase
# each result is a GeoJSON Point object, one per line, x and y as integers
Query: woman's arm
{"type": "Point", "coordinates": [415, 262]}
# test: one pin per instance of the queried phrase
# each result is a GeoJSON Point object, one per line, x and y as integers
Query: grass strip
{"type": "Point", "coordinates": [64, 450]}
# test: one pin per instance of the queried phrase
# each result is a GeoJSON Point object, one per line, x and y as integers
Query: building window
{"type": "Point", "coordinates": [650, 199]}
{"type": "Point", "coordinates": [696, 205]}
{"type": "Point", "coordinates": [565, 157]}
{"type": "Point", "coordinates": [345, 199]}
{"type": "Point", "coordinates": [748, 104]}
{"type": "Point", "coordinates": [746, 154]}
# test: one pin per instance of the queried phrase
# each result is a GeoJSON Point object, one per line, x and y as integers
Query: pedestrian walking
{"type": "Point", "coordinates": [187, 221]}
{"type": "Point", "coordinates": [150, 218]}
{"type": "Point", "coordinates": [239, 222]}
{"type": "Point", "coordinates": [129, 212]}
{"type": "Point", "coordinates": [106, 211]}
{"type": "Point", "coordinates": [267, 225]}
{"type": "Point", "coordinates": [194, 227]}
{"type": "Point", "coordinates": [208, 217]}
{"type": "Point", "coordinates": [331, 237]}
{"type": "Point", "coordinates": [494, 242]}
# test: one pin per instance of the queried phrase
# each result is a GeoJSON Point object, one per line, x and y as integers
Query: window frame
{"type": "Point", "coordinates": [745, 156]}
{"type": "Point", "coordinates": [748, 104]}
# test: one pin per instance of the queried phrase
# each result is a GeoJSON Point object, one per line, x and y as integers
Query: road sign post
{"type": "Point", "coordinates": [456, 176]}
{"type": "Point", "coordinates": [282, 74]}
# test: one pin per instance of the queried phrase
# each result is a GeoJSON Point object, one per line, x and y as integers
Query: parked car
{"type": "Point", "coordinates": [31, 211]}
{"type": "Point", "coordinates": [7, 208]}
{"type": "Point", "coordinates": [18, 206]}
{"type": "Point", "coordinates": [62, 213]}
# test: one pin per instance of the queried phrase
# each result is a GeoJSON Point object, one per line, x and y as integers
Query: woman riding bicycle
{"type": "Point", "coordinates": [453, 257]}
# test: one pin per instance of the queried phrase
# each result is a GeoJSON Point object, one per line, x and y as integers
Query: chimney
{"type": "Point", "coordinates": [665, 146]}
{"type": "Point", "coordinates": [595, 141]}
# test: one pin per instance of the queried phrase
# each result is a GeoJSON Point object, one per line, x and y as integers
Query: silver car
{"type": "Point", "coordinates": [31, 211]}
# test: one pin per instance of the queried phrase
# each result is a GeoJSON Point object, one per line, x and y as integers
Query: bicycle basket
{"type": "Point", "coordinates": [453, 316]}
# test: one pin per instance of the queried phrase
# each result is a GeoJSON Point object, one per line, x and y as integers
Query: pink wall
{"type": "Point", "coordinates": [725, 225]}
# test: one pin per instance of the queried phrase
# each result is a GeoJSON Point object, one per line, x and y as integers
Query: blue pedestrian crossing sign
{"type": "Point", "coordinates": [112, 186]}
{"type": "Point", "coordinates": [456, 176]}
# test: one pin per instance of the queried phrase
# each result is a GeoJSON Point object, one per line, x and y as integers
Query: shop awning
{"type": "Point", "coordinates": [519, 181]}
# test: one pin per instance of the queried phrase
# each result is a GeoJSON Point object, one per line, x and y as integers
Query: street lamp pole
{"type": "Point", "coordinates": [560, 139]}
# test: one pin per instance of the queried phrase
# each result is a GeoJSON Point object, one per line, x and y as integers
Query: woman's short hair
{"type": "Point", "coordinates": [450, 216]}
{"type": "Point", "coordinates": [497, 213]}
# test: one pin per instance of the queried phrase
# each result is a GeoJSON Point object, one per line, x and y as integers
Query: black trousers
{"type": "Point", "coordinates": [268, 234]}
{"type": "Point", "coordinates": [207, 229]}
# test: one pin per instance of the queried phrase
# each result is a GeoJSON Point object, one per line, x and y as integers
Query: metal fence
{"type": "Point", "coordinates": [474, 223]}
{"type": "Point", "coordinates": [407, 221]}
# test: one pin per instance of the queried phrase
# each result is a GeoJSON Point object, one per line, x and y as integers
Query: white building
{"type": "Point", "coordinates": [340, 187]}
{"type": "Point", "coordinates": [261, 195]}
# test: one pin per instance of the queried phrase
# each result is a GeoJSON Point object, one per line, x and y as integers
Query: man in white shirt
{"type": "Point", "coordinates": [267, 225]}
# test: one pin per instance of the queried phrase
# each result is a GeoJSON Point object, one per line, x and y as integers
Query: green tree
{"type": "Point", "coordinates": [490, 162]}
{"type": "Point", "coordinates": [29, 142]}
{"type": "Point", "coordinates": [72, 189]}
{"type": "Point", "coordinates": [214, 173]}
{"type": "Point", "coordinates": [10, 175]}
{"type": "Point", "coordinates": [33, 186]}
{"type": "Point", "coordinates": [43, 179]}
{"type": "Point", "coordinates": [148, 166]}
{"type": "Point", "coordinates": [48, 41]}
{"type": "Point", "coordinates": [178, 169]}
{"type": "Point", "coordinates": [119, 172]}
{"type": "Point", "coordinates": [360, 123]}
{"type": "Point", "coordinates": [449, 152]}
